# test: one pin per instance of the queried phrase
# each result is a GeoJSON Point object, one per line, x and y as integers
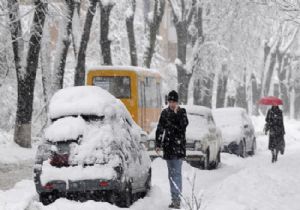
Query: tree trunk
{"type": "Point", "coordinates": [16, 33]}
{"type": "Point", "coordinates": [255, 94]}
{"type": "Point", "coordinates": [80, 67]}
{"type": "Point", "coordinates": [208, 83]}
{"type": "Point", "coordinates": [283, 84]}
{"type": "Point", "coordinates": [183, 76]}
{"type": "Point", "coordinates": [159, 8]}
{"type": "Point", "coordinates": [104, 25]}
{"type": "Point", "coordinates": [26, 80]}
{"type": "Point", "coordinates": [63, 47]}
{"type": "Point", "coordinates": [241, 94]}
{"type": "Point", "coordinates": [131, 36]}
{"type": "Point", "coordinates": [197, 91]}
{"type": "Point", "coordinates": [222, 86]}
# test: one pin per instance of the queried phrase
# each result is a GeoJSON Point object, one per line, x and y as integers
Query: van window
{"type": "Point", "coordinates": [119, 86]}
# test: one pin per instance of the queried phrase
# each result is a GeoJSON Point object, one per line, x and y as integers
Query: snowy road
{"type": "Point", "coordinates": [239, 184]}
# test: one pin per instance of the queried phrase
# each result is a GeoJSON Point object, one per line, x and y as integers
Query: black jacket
{"type": "Point", "coordinates": [170, 133]}
{"type": "Point", "coordinates": [275, 126]}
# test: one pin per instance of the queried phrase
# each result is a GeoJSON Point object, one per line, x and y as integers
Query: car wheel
{"type": "Point", "coordinates": [206, 163]}
{"type": "Point", "coordinates": [196, 164]}
{"type": "Point", "coordinates": [242, 149]}
{"type": "Point", "coordinates": [47, 198]}
{"type": "Point", "coordinates": [126, 197]}
{"type": "Point", "coordinates": [252, 152]}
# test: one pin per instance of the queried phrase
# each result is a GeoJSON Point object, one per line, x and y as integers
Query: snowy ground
{"type": "Point", "coordinates": [239, 184]}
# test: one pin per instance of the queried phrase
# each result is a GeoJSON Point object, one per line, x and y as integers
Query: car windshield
{"type": "Point", "coordinates": [119, 86]}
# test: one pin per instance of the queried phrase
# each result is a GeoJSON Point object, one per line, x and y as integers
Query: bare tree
{"type": "Point", "coordinates": [64, 43]}
{"type": "Point", "coordinates": [153, 27]}
{"type": "Point", "coordinates": [105, 10]}
{"type": "Point", "coordinates": [26, 77]}
{"type": "Point", "coordinates": [80, 66]}
{"type": "Point", "coordinates": [130, 33]}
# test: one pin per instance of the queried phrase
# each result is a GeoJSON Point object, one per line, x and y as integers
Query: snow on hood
{"type": "Point", "coordinates": [67, 128]}
{"type": "Point", "coordinates": [82, 100]}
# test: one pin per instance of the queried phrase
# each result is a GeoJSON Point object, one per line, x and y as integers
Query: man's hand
{"type": "Point", "coordinates": [157, 150]}
{"type": "Point", "coordinates": [176, 109]}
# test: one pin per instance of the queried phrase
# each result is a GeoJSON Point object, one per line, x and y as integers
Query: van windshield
{"type": "Point", "coordinates": [119, 86]}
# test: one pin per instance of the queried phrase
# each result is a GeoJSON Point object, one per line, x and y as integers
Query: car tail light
{"type": "Point", "coordinates": [48, 186]}
{"type": "Point", "coordinates": [103, 184]}
{"type": "Point", "coordinates": [59, 160]}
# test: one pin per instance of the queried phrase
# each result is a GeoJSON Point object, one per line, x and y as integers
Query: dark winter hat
{"type": "Point", "coordinates": [173, 96]}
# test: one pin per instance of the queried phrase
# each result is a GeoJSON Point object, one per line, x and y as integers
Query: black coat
{"type": "Point", "coordinates": [170, 133]}
{"type": "Point", "coordinates": [275, 126]}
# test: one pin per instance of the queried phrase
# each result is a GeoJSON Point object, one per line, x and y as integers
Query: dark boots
{"type": "Point", "coordinates": [175, 205]}
{"type": "Point", "coordinates": [274, 156]}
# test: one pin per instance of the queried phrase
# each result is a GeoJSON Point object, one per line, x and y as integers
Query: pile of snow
{"type": "Point", "coordinates": [67, 128]}
{"type": "Point", "coordinates": [75, 173]}
{"type": "Point", "coordinates": [11, 153]}
{"type": "Point", "coordinates": [19, 197]}
{"type": "Point", "coordinates": [83, 100]}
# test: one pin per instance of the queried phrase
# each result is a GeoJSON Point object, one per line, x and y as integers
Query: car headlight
{"type": "Point", "coordinates": [151, 145]}
{"type": "Point", "coordinates": [197, 146]}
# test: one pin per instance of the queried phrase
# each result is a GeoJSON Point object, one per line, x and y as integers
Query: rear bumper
{"type": "Point", "coordinates": [63, 188]}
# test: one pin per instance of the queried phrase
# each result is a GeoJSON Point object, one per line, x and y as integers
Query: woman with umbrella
{"type": "Point", "coordinates": [275, 127]}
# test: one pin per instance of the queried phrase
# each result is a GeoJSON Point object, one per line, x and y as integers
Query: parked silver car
{"type": "Point", "coordinates": [203, 139]}
{"type": "Point", "coordinates": [237, 131]}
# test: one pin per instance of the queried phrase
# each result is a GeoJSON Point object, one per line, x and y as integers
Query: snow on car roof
{"type": "Point", "coordinates": [200, 110]}
{"type": "Point", "coordinates": [228, 116]}
{"type": "Point", "coordinates": [67, 128]}
{"type": "Point", "coordinates": [82, 100]}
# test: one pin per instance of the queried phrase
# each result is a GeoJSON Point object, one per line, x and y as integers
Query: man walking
{"type": "Point", "coordinates": [170, 137]}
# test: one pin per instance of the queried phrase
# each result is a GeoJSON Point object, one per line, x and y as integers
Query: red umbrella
{"type": "Point", "coordinates": [270, 100]}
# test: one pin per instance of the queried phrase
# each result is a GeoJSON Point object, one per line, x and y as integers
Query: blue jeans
{"type": "Point", "coordinates": [174, 174]}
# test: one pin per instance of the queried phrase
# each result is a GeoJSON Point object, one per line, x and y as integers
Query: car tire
{"type": "Point", "coordinates": [252, 152]}
{"type": "Point", "coordinates": [148, 182]}
{"type": "Point", "coordinates": [126, 196]}
{"type": "Point", "coordinates": [47, 198]}
{"type": "Point", "coordinates": [206, 165]}
{"type": "Point", "coordinates": [242, 149]}
{"type": "Point", "coordinates": [196, 164]}
{"type": "Point", "coordinates": [215, 164]}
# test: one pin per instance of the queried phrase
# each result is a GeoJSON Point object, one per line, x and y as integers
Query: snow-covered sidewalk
{"type": "Point", "coordinates": [239, 184]}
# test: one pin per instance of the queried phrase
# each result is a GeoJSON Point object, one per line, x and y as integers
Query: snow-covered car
{"type": "Point", "coordinates": [91, 150]}
{"type": "Point", "coordinates": [237, 131]}
{"type": "Point", "coordinates": [203, 139]}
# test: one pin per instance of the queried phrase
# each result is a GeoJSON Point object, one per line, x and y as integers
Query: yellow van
{"type": "Point", "coordinates": [138, 88]}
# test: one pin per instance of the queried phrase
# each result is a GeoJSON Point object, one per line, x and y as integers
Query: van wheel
{"type": "Point", "coordinates": [242, 149]}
